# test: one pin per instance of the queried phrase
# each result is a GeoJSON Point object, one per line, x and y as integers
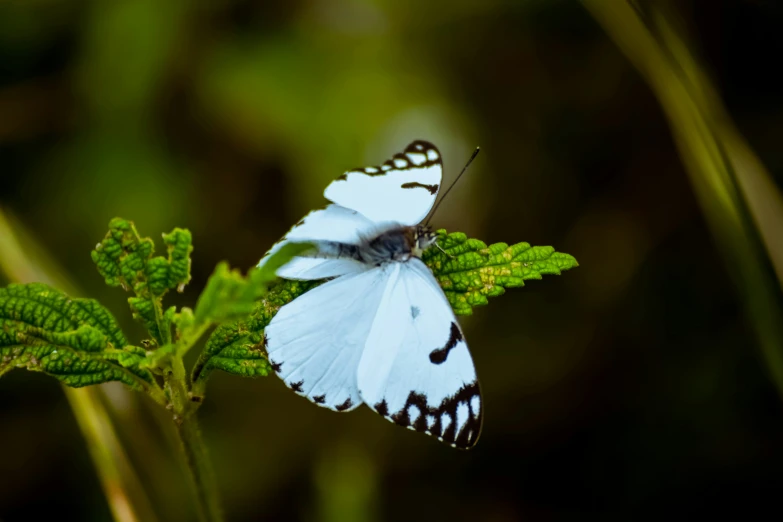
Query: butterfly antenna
{"type": "Point", "coordinates": [465, 168]}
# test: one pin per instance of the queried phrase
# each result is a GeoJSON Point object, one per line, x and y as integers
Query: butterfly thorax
{"type": "Point", "coordinates": [399, 243]}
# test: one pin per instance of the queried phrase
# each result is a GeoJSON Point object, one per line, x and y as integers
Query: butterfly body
{"type": "Point", "coordinates": [397, 243]}
{"type": "Point", "coordinates": [380, 331]}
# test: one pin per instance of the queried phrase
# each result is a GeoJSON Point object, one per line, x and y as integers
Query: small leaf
{"type": "Point", "coordinates": [285, 291]}
{"type": "Point", "coordinates": [473, 271]}
{"type": "Point", "coordinates": [283, 255]}
{"type": "Point", "coordinates": [173, 272]}
{"type": "Point", "coordinates": [75, 340]}
{"type": "Point", "coordinates": [125, 259]}
{"type": "Point", "coordinates": [229, 295]}
{"type": "Point", "coordinates": [233, 348]}
{"type": "Point", "coordinates": [158, 359]}
{"type": "Point", "coordinates": [184, 320]}
{"type": "Point", "coordinates": [237, 347]}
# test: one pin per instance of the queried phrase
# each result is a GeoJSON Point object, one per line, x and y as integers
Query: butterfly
{"type": "Point", "coordinates": [380, 332]}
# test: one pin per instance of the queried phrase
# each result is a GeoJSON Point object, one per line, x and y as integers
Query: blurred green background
{"type": "Point", "coordinates": [636, 386]}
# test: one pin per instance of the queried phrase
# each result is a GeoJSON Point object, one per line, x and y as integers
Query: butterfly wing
{"type": "Point", "coordinates": [416, 369]}
{"type": "Point", "coordinates": [333, 223]}
{"type": "Point", "coordinates": [315, 342]}
{"type": "Point", "coordinates": [399, 192]}
{"type": "Point", "coordinates": [402, 190]}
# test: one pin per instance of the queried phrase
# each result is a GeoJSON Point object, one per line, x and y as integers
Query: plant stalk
{"type": "Point", "coordinates": [197, 459]}
{"type": "Point", "coordinates": [192, 444]}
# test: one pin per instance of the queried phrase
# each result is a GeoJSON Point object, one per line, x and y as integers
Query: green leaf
{"type": "Point", "coordinates": [267, 273]}
{"type": "Point", "coordinates": [470, 271]}
{"type": "Point", "coordinates": [126, 259]}
{"type": "Point", "coordinates": [75, 340]}
{"type": "Point", "coordinates": [237, 347]}
{"type": "Point", "coordinates": [233, 348]}
{"type": "Point", "coordinates": [184, 320]}
{"type": "Point", "coordinates": [230, 296]}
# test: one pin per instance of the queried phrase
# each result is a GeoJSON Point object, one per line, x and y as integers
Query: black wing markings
{"type": "Point", "coordinates": [318, 399]}
{"type": "Point", "coordinates": [344, 406]}
{"type": "Point", "coordinates": [432, 189]}
{"type": "Point", "coordinates": [417, 415]}
{"type": "Point", "coordinates": [439, 355]}
{"type": "Point", "coordinates": [425, 152]}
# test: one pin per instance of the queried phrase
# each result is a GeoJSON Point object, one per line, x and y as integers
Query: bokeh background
{"type": "Point", "coordinates": [641, 384]}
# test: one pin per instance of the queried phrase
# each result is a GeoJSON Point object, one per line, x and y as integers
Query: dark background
{"type": "Point", "coordinates": [629, 388]}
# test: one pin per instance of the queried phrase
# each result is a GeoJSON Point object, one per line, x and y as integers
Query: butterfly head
{"type": "Point", "coordinates": [423, 238]}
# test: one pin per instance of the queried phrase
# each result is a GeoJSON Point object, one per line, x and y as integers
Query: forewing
{"type": "Point", "coordinates": [315, 342]}
{"type": "Point", "coordinates": [402, 190]}
{"type": "Point", "coordinates": [333, 223]}
{"type": "Point", "coordinates": [416, 369]}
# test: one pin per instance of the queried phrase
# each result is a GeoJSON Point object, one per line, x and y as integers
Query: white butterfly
{"type": "Point", "coordinates": [381, 332]}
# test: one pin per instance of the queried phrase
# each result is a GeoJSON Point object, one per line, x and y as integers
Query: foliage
{"type": "Point", "coordinates": [79, 342]}
{"type": "Point", "coordinates": [75, 340]}
{"type": "Point", "coordinates": [125, 259]}
{"type": "Point", "coordinates": [469, 271]}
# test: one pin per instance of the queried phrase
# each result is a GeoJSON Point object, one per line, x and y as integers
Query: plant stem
{"type": "Point", "coordinates": [200, 469]}
{"type": "Point", "coordinates": [192, 444]}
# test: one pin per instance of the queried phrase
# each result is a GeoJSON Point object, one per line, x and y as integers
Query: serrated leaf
{"type": "Point", "coordinates": [470, 271]}
{"type": "Point", "coordinates": [228, 296]}
{"type": "Point", "coordinates": [75, 340]}
{"type": "Point", "coordinates": [126, 259]}
{"type": "Point", "coordinates": [232, 348]}
{"type": "Point", "coordinates": [237, 347]}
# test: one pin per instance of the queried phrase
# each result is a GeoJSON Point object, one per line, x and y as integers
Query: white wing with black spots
{"type": "Point", "coordinates": [401, 190]}
{"type": "Point", "coordinates": [382, 332]}
{"type": "Point", "coordinates": [416, 369]}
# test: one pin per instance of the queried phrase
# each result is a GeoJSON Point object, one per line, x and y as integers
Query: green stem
{"type": "Point", "coordinates": [165, 333]}
{"type": "Point", "coordinates": [200, 469]}
{"type": "Point", "coordinates": [192, 444]}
